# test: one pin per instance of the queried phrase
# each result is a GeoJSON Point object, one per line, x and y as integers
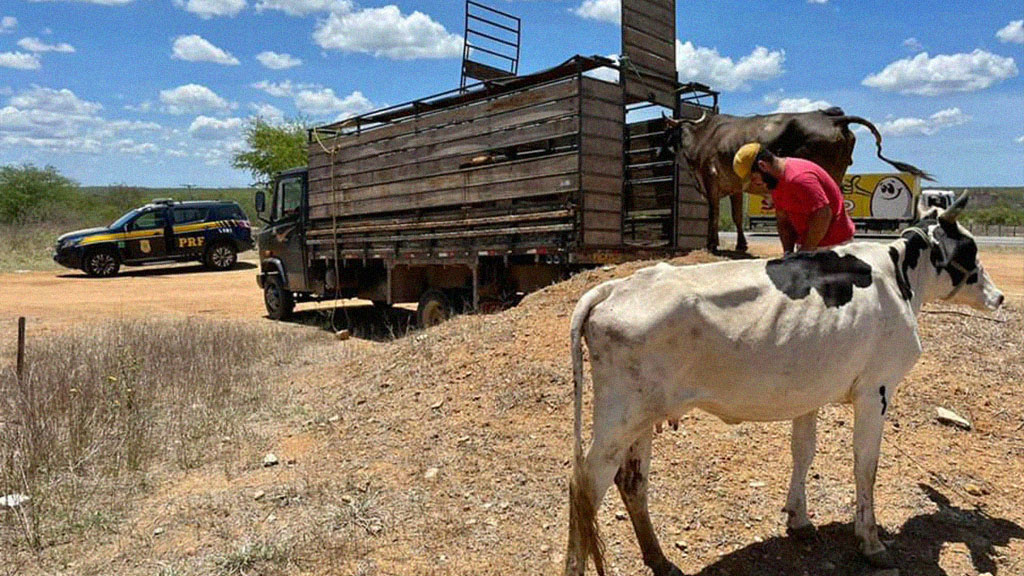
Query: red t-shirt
{"type": "Point", "coordinates": [803, 189]}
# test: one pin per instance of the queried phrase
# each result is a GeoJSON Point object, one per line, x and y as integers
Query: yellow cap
{"type": "Point", "coordinates": [744, 160]}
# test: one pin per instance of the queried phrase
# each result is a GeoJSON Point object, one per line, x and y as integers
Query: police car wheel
{"type": "Point", "coordinates": [279, 302]}
{"type": "Point", "coordinates": [221, 256]}
{"type": "Point", "coordinates": [101, 263]}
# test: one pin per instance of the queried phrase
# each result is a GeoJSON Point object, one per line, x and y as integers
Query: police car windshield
{"type": "Point", "coordinates": [124, 219]}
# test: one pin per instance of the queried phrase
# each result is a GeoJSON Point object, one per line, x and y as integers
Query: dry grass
{"type": "Point", "coordinates": [447, 452]}
{"type": "Point", "coordinates": [100, 408]}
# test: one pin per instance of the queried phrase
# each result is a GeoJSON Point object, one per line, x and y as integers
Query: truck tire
{"type": "Point", "coordinates": [221, 256]}
{"type": "Point", "coordinates": [279, 302]}
{"type": "Point", "coordinates": [101, 263]}
{"type": "Point", "coordinates": [433, 309]}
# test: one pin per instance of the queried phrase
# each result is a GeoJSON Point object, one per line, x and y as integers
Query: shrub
{"type": "Point", "coordinates": [27, 191]}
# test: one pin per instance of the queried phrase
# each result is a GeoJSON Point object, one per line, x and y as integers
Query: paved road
{"type": "Point", "coordinates": [728, 238]}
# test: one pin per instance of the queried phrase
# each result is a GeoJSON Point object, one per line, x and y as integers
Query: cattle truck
{"type": "Point", "coordinates": [468, 199]}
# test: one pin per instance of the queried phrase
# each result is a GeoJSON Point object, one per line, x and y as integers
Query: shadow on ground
{"type": "Point", "coordinates": [158, 270]}
{"type": "Point", "coordinates": [367, 322]}
{"type": "Point", "coordinates": [915, 547]}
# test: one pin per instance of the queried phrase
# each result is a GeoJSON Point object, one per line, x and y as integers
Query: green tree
{"type": "Point", "coordinates": [26, 191]}
{"type": "Point", "coordinates": [272, 148]}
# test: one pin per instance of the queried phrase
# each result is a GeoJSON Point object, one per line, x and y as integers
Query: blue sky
{"type": "Point", "coordinates": [156, 92]}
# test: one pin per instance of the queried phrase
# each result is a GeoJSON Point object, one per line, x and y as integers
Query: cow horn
{"type": "Point", "coordinates": [673, 122]}
{"type": "Point", "coordinates": [950, 214]}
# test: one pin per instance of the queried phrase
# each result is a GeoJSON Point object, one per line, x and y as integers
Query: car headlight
{"type": "Point", "coordinates": [69, 243]}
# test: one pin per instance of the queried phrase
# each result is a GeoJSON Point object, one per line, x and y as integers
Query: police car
{"type": "Point", "coordinates": [210, 231]}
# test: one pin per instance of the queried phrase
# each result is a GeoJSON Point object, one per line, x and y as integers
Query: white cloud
{"type": "Point", "coordinates": [36, 45]}
{"type": "Point", "coordinates": [387, 32]}
{"type": "Point", "coordinates": [305, 7]}
{"type": "Point", "coordinates": [913, 44]}
{"type": "Point", "coordinates": [943, 74]}
{"type": "Point", "coordinates": [324, 102]}
{"type": "Point", "coordinates": [51, 119]}
{"type": "Point", "coordinates": [193, 48]}
{"type": "Point", "coordinates": [1020, 140]}
{"type": "Point", "coordinates": [602, 10]}
{"type": "Point", "coordinates": [19, 61]}
{"type": "Point", "coordinates": [1012, 32]}
{"type": "Point", "coordinates": [267, 112]}
{"type": "Point", "coordinates": [8, 24]}
{"type": "Point", "coordinates": [281, 89]}
{"type": "Point", "coordinates": [800, 105]}
{"type": "Point", "coordinates": [706, 65]}
{"type": "Point", "coordinates": [206, 128]}
{"type": "Point", "coordinates": [923, 126]}
{"type": "Point", "coordinates": [193, 99]}
{"type": "Point", "coordinates": [133, 148]}
{"type": "Point", "coordinates": [207, 9]}
{"type": "Point", "coordinates": [276, 61]}
{"type": "Point", "coordinates": [817, 1]}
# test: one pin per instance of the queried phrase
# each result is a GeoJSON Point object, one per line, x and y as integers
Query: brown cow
{"type": "Point", "coordinates": [709, 144]}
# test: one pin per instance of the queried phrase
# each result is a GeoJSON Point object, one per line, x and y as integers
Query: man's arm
{"type": "Point", "coordinates": [787, 234]}
{"type": "Point", "coordinates": [817, 227]}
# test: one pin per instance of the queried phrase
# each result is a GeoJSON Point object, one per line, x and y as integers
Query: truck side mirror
{"type": "Point", "coordinates": [261, 202]}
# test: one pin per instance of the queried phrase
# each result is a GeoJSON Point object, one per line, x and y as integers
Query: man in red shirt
{"type": "Point", "coordinates": [809, 209]}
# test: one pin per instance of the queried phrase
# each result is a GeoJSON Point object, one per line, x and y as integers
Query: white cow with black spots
{"type": "Point", "coordinates": [757, 340]}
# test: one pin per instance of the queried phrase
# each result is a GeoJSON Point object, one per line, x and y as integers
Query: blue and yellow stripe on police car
{"type": "Point", "coordinates": [122, 236]}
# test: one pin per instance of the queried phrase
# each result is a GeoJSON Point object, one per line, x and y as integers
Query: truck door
{"type": "Point", "coordinates": [286, 238]}
{"type": "Point", "coordinates": [146, 237]}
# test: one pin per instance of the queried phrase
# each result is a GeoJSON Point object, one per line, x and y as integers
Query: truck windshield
{"type": "Point", "coordinates": [124, 219]}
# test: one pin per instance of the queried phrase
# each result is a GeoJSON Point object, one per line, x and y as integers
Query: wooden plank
{"type": "Point", "coordinates": [599, 89]}
{"type": "Point", "coordinates": [663, 10]}
{"type": "Point", "coordinates": [359, 228]}
{"type": "Point", "coordinates": [479, 71]}
{"type": "Point", "coordinates": [651, 66]}
{"type": "Point", "coordinates": [640, 20]}
{"type": "Point", "coordinates": [601, 201]}
{"type": "Point", "coordinates": [643, 40]}
{"type": "Point", "coordinates": [600, 109]}
{"type": "Point", "coordinates": [458, 235]}
{"type": "Point", "coordinates": [597, 183]}
{"type": "Point", "coordinates": [504, 172]}
{"type": "Point", "coordinates": [596, 146]}
{"type": "Point", "coordinates": [497, 123]}
{"type": "Point", "coordinates": [441, 158]}
{"type": "Point", "coordinates": [692, 211]}
{"type": "Point", "coordinates": [533, 96]}
{"type": "Point", "coordinates": [602, 238]}
{"type": "Point", "coordinates": [594, 220]}
{"type": "Point", "coordinates": [601, 127]}
{"type": "Point", "coordinates": [533, 187]}
{"type": "Point", "coordinates": [602, 164]}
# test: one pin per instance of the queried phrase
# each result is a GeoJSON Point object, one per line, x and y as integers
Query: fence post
{"type": "Point", "coordinates": [21, 348]}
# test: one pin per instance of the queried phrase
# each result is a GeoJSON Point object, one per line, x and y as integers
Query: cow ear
{"type": "Point", "coordinates": [953, 211]}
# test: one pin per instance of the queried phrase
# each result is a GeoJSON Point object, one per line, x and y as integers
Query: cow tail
{"type": "Point", "coordinates": [583, 528]}
{"type": "Point", "coordinates": [845, 121]}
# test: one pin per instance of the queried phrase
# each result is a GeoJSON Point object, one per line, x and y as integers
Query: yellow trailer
{"type": "Point", "coordinates": [876, 202]}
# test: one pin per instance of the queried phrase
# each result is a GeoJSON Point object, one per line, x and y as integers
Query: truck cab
{"type": "Point", "coordinates": [281, 241]}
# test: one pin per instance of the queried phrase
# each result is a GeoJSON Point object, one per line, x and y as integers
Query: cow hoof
{"type": "Point", "coordinates": [803, 533]}
{"type": "Point", "coordinates": [881, 559]}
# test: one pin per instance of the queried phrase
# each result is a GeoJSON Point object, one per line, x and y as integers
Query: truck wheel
{"type": "Point", "coordinates": [221, 256]}
{"type": "Point", "coordinates": [279, 302]}
{"type": "Point", "coordinates": [434, 308]}
{"type": "Point", "coordinates": [101, 263]}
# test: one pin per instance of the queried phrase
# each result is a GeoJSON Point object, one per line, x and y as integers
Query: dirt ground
{"type": "Point", "coordinates": [447, 451]}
